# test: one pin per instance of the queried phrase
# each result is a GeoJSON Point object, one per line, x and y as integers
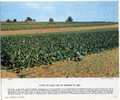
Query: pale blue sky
{"type": "Point", "coordinates": [41, 11]}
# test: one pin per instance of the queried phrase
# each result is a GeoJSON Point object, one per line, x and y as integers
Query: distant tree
{"type": "Point", "coordinates": [28, 19]}
{"type": "Point", "coordinates": [14, 20]}
{"type": "Point", "coordinates": [8, 20]}
{"type": "Point", "coordinates": [51, 20]}
{"type": "Point", "coordinates": [69, 19]}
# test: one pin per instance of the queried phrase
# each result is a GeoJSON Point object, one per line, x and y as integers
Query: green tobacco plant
{"type": "Point", "coordinates": [32, 50]}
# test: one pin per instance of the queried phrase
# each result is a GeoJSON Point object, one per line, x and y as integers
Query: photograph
{"type": "Point", "coordinates": [64, 39]}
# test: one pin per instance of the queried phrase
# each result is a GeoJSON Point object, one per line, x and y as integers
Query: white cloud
{"type": "Point", "coordinates": [46, 7]}
{"type": "Point", "coordinates": [32, 5]}
{"type": "Point", "coordinates": [40, 4]}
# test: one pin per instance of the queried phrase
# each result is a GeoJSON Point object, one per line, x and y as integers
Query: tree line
{"type": "Point", "coordinates": [29, 19]}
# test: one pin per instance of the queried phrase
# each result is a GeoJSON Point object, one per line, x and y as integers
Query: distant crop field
{"type": "Point", "coordinates": [41, 25]}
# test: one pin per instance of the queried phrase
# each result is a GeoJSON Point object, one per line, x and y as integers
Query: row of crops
{"type": "Point", "coordinates": [33, 50]}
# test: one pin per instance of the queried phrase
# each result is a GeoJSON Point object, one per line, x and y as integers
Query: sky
{"type": "Point", "coordinates": [59, 11]}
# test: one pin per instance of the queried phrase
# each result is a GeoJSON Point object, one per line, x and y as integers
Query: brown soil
{"type": "Point", "coordinates": [7, 74]}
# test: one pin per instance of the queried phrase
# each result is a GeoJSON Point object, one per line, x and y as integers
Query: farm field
{"type": "Point", "coordinates": [87, 51]}
{"type": "Point", "coordinates": [43, 25]}
{"type": "Point", "coordinates": [62, 29]}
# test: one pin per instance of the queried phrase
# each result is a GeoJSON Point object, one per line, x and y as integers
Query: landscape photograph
{"type": "Point", "coordinates": [59, 39]}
